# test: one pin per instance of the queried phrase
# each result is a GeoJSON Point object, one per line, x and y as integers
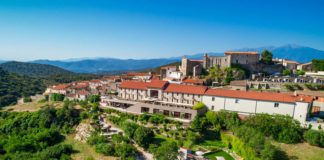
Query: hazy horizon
{"type": "Point", "coordinates": [61, 29]}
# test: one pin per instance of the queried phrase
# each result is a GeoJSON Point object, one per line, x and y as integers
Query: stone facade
{"type": "Point", "coordinates": [229, 58]}
{"type": "Point", "coordinates": [191, 67]}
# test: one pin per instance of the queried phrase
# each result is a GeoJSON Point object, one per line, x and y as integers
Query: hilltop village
{"type": "Point", "coordinates": [193, 109]}
{"type": "Point", "coordinates": [244, 82]}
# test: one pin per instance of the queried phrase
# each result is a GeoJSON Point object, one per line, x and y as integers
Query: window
{"type": "Point", "coordinates": [198, 96]}
{"type": "Point", "coordinates": [236, 100]}
{"type": "Point", "coordinates": [212, 107]}
{"type": "Point", "coordinates": [276, 105]}
{"type": "Point", "coordinates": [213, 98]}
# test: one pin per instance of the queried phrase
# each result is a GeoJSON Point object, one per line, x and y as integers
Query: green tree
{"type": "Point", "coordinates": [213, 119]}
{"type": "Point", "coordinates": [57, 97]}
{"type": "Point", "coordinates": [105, 148]}
{"type": "Point", "coordinates": [27, 99]}
{"type": "Point", "coordinates": [129, 128]}
{"type": "Point", "coordinates": [157, 119]}
{"type": "Point", "coordinates": [286, 72]}
{"type": "Point", "coordinates": [318, 64]}
{"type": "Point", "coordinates": [270, 152]}
{"type": "Point", "coordinates": [300, 72]}
{"type": "Point", "coordinates": [199, 124]}
{"type": "Point", "coordinates": [143, 136]}
{"type": "Point", "coordinates": [125, 150]}
{"type": "Point", "coordinates": [167, 151]}
{"type": "Point", "coordinates": [266, 57]}
{"type": "Point", "coordinates": [315, 138]}
{"type": "Point", "coordinates": [199, 106]}
{"type": "Point", "coordinates": [94, 98]}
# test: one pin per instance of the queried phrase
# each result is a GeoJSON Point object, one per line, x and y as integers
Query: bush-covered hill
{"type": "Point", "coordinates": [13, 86]}
{"type": "Point", "coordinates": [33, 69]}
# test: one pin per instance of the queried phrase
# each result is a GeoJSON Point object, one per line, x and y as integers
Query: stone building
{"type": "Point", "coordinates": [229, 58]}
{"type": "Point", "coordinates": [194, 67]}
{"type": "Point", "coordinates": [191, 67]}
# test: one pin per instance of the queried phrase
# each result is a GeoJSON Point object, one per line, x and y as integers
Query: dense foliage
{"type": "Point", "coordinates": [143, 136]}
{"type": "Point", "coordinates": [318, 64]}
{"type": "Point", "coordinates": [199, 106]}
{"type": "Point", "coordinates": [57, 97]}
{"type": "Point", "coordinates": [286, 72]}
{"type": "Point", "coordinates": [33, 69]}
{"type": "Point", "coordinates": [166, 151]}
{"type": "Point", "coordinates": [314, 87]}
{"type": "Point", "coordinates": [228, 74]}
{"type": "Point", "coordinates": [118, 145]}
{"type": "Point", "coordinates": [30, 135]}
{"type": "Point", "coordinates": [315, 138]}
{"type": "Point", "coordinates": [13, 86]}
{"type": "Point", "coordinates": [266, 57]}
{"type": "Point", "coordinates": [281, 128]}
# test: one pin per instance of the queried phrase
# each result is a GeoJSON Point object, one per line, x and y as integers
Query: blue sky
{"type": "Point", "coordinates": [62, 29]}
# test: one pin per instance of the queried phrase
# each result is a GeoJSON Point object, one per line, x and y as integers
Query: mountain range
{"type": "Point", "coordinates": [113, 65]}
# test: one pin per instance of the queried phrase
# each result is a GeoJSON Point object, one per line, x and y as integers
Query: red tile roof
{"type": "Point", "coordinates": [95, 81]}
{"type": "Point", "coordinates": [237, 52]}
{"type": "Point", "coordinates": [137, 74]}
{"type": "Point", "coordinates": [133, 85]}
{"type": "Point", "coordinates": [189, 89]}
{"type": "Point", "coordinates": [265, 96]}
{"type": "Point", "coordinates": [61, 86]}
{"type": "Point", "coordinates": [195, 81]}
{"type": "Point", "coordinates": [83, 92]}
{"type": "Point", "coordinates": [159, 84]}
{"type": "Point", "coordinates": [80, 85]}
{"type": "Point", "coordinates": [156, 84]}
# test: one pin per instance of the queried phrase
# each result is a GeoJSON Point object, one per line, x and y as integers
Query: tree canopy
{"type": "Point", "coordinates": [266, 57]}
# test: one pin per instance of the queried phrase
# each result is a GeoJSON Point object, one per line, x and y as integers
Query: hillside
{"type": "Point", "coordinates": [108, 65]}
{"type": "Point", "coordinates": [102, 65]}
{"type": "Point", "coordinates": [33, 69]}
{"type": "Point", "coordinates": [157, 69]}
{"type": "Point", "coordinates": [293, 52]}
{"type": "Point", "coordinates": [13, 86]}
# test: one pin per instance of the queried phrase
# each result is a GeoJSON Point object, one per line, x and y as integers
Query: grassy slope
{"type": "Point", "coordinates": [84, 151]}
{"type": "Point", "coordinates": [302, 151]}
{"type": "Point", "coordinates": [32, 106]}
{"type": "Point", "coordinates": [212, 155]}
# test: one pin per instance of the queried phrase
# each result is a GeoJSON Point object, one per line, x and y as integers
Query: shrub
{"type": "Point", "coordinates": [105, 148]}
{"type": "Point", "coordinates": [315, 138]}
{"type": "Point", "coordinates": [199, 106]}
{"type": "Point", "coordinates": [129, 128]}
{"type": "Point", "coordinates": [144, 117]}
{"type": "Point", "coordinates": [94, 98]}
{"type": "Point", "coordinates": [282, 128]}
{"type": "Point", "coordinates": [157, 119]}
{"type": "Point", "coordinates": [57, 97]}
{"type": "Point", "coordinates": [166, 151]}
{"type": "Point", "coordinates": [234, 143]}
{"type": "Point", "coordinates": [199, 124]}
{"type": "Point", "coordinates": [96, 139]}
{"type": "Point", "coordinates": [27, 99]}
{"type": "Point", "coordinates": [143, 136]}
{"type": "Point", "coordinates": [125, 150]}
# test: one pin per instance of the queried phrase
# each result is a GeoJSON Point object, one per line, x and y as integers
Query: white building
{"type": "Point", "coordinates": [243, 102]}
{"type": "Point", "coordinates": [248, 103]}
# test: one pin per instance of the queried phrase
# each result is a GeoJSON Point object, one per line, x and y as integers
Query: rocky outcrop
{"type": "Point", "coordinates": [83, 131]}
